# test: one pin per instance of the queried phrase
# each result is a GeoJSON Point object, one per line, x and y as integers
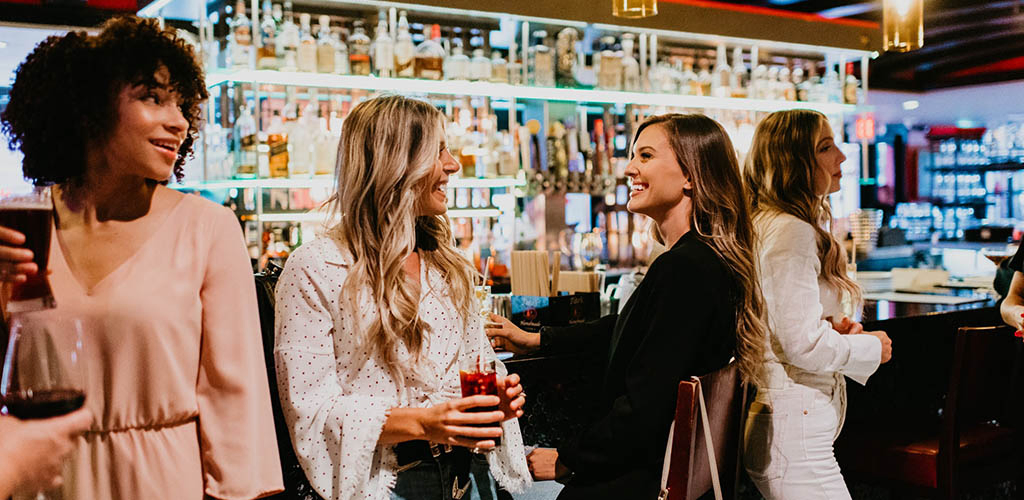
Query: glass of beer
{"type": "Point", "coordinates": [31, 213]}
{"type": "Point", "coordinates": [478, 376]}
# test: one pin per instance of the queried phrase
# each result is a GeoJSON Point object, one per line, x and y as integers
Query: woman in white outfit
{"type": "Point", "coordinates": [372, 321]}
{"type": "Point", "coordinates": [793, 165]}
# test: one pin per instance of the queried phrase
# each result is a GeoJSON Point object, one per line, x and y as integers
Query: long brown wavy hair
{"type": "Point", "coordinates": [385, 159]}
{"type": "Point", "coordinates": [779, 173]}
{"type": "Point", "coordinates": [721, 218]}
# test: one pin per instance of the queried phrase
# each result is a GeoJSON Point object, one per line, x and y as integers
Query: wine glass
{"type": "Point", "coordinates": [43, 373]}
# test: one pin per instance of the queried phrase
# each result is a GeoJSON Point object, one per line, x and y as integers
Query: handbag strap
{"type": "Point", "coordinates": [709, 445]}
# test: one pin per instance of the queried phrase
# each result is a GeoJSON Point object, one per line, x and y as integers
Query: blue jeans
{"type": "Point", "coordinates": [434, 480]}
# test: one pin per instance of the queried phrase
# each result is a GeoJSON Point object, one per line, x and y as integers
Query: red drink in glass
{"type": "Point", "coordinates": [480, 378]}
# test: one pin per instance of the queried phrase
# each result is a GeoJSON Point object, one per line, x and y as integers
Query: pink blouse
{"type": "Point", "coordinates": [175, 373]}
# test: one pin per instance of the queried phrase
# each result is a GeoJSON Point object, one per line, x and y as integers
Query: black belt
{"type": "Point", "coordinates": [410, 452]}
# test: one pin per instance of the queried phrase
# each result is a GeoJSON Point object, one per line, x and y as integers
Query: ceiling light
{"type": "Point", "coordinates": [911, 105]}
{"type": "Point", "coordinates": [634, 9]}
{"type": "Point", "coordinates": [3, 44]}
{"type": "Point", "coordinates": [902, 25]}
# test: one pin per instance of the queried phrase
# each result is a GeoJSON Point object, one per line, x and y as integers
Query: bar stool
{"type": "Point", "coordinates": [977, 441]}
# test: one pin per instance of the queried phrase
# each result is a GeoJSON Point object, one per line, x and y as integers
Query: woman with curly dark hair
{"type": "Point", "coordinates": [160, 280]}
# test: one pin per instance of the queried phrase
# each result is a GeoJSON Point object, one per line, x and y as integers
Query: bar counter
{"type": "Point", "coordinates": [909, 388]}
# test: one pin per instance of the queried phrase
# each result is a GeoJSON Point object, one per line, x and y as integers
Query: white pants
{"type": "Point", "coordinates": [788, 446]}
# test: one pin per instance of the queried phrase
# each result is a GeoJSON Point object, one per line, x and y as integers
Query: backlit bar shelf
{"type": "Point", "coordinates": [454, 213]}
{"type": "Point", "coordinates": [507, 91]}
{"type": "Point", "coordinates": [328, 183]}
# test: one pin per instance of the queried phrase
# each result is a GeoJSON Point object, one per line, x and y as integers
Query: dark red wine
{"type": "Point", "coordinates": [43, 404]}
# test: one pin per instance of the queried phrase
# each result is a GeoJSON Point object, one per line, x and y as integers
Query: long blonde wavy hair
{"type": "Point", "coordinates": [386, 156]}
{"type": "Point", "coordinates": [721, 218]}
{"type": "Point", "coordinates": [779, 173]}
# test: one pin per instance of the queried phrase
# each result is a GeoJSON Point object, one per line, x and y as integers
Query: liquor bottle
{"type": "Point", "coordinates": [515, 67]}
{"type": "Point", "coordinates": [458, 65]}
{"type": "Point", "coordinates": [760, 86]}
{"type": "Point", "coordinates": [340, 53]}
{"type": "Point", "coordinates": [787, 90]}
{"type": "Point", "coordinates": [383, 48]}
{"type": "Point", "coordinates": [479, 66]}
{"type": "Point", "coordinates": [630, 66]}
{"type": "Point", "coordinates": [277, 142]}
{"type": "Point", "coordinates": [689, 81]}
{"type": "Point", "coordinates": [543, 62]}
{"type": "Point", "coordinates": [722, 77]}
{"type": "Point", "coordinates": [268, 33]}
{"type": "Point", "coordinates": [325, 47]}
{"type": "Point", "coordinates": [803, 87]}
{"type": "Point", "coordinates": [359, 51]}
{"type": "Point", "coordinates": [565, 52]}
{"type": "Point", "coordinates": [240, 43]}
{"type": "Point", "coordinates": [300, 141]}
{"type": "Point", "coordinates": [246, 160]}
{"type": "Point", "coordinates": [832, 87]}
{"type": "Point", "coordinates": [704, 77]}
{"type": "Point", "coordinates": [499, 68]}
{"type": "Point", "coordinates": [816, 88]}
{"type": "Point", "coordinates": [404, 49]}
{"type": "Point", "coordinates": [289, 37]}
{"type": "Point", "coordinates": [325, 149]}
{"type": "Point", "coordinates": [429, 59]}
{"type": "Point", "coordinates": [609, 76]}
{"type": "Point", "coordinates": [851, 87]}
{"type": "Point", "coordinates": [307, 45]}
{"type": "Point", "coordinates": [739, 81]}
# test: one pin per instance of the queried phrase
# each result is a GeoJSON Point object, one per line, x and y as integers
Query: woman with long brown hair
{"type": "Point", "coordinates": [373, 319]}
{"type": "Point", "coordinates": [793, 165]}
{"type": "Point", "coordinates": [698, 306]}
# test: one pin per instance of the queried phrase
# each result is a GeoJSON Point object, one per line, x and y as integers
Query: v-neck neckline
{"type": "Point", "coordinates": [120, 268]}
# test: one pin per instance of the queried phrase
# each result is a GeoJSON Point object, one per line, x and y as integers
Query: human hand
{"type": "Point", "coordinates": [886, 344]}
{"type": "Point", "coordinates": [512, 397]}
{"type": "Point", "coordinates": [33, 451]}
{"type": "Point", "coordinates": [16, 263]}
{"type": "Point", "coordinates": [452, 422]}
{"type": "Point", "coordinates": [516, 340]}
{"type": "Point", "coordinates": [544, 465]}
{"type": "Point", "coordinates": [846, 326]}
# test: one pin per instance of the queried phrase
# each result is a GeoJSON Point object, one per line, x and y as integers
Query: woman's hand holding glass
{"type": "Point", "coordinates": [33, 451]}
{"type": "Point", "coordinates": [512, 397]}
{"type": "Point", "coordinates": [452, 423]}
{"type": "Point", "coordinates": [516, 340]}
{"type": "Point", "coordinates": [16, 263]}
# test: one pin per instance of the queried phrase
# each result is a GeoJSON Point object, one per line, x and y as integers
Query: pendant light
{"type": "Point", "coordinates": [902, 25]}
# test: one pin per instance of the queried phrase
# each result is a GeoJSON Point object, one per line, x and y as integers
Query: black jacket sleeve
{"type": "Point", "coordinates": [592, 336]}
{"type": "Point", "coordinates": [665, 338]}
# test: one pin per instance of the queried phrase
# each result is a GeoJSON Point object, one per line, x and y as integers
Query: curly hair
{"type": "Point", "coordinates": [65, 93]}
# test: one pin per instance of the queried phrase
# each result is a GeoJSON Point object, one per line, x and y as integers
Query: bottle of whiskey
{"type": "Point", "coordinates": [307, 45]}
{"type": "Point", "coordinates": [630, 66]}
{"type": "Point", "coordinates": [359, 51]}
{"type": "Point", "coordinates": [404, 49]}
{"type": "Point", "coordinates": [289, 37]}
{"type": "Point", "coordinates": [325, 46]}
{"type": "Point", "coordinates": [268, 33]}
{"type": "Point", "coordinates": [722, 77]}
{"type": "Point", "coordinates": [246, 159]}
{"type": "Point", "coordinates": [383, 48]}
{"type": "Point", "coordinates": [429, 60]}
{"type": "Point", "coordinates": [240, 43]}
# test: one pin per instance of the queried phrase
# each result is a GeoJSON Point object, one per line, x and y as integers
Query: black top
{"type": "Point", "coordinates": [679, 322]}
{"type": "Point", "coordinates": [1017, 262]}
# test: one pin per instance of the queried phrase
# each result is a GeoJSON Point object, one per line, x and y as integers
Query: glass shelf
{"type": "Point", "coordinates": [328, 183]}
{"type": "Point", "coordinates": [507, 91]}
{"type": "Point", "coordinates": [454, 213]}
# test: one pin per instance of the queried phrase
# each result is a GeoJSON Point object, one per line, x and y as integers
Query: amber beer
{"type": "Point", "coordinates": [32, 215]}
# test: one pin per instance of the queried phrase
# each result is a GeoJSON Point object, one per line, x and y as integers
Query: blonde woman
{"type": "Point", "coordinates": [373, 319]}
{"type": "Point", "coordinates": [698, 306]}
{"type": "Point", "coordinates": [793, 165]}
